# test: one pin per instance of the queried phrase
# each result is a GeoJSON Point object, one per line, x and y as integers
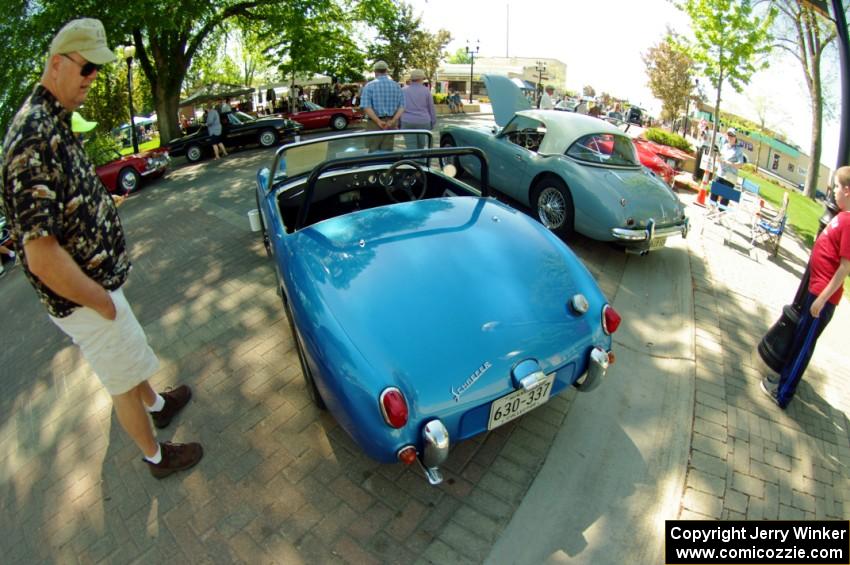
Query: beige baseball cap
{"type": "Point", "coordinates": [417, 74]}
{"type": "Point", "coordinates": [85, 36]}
{"type": "Point", "coordinates": [380, 66]}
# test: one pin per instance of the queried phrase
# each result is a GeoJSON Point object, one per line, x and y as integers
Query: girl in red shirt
{"type": "Point", "coordinates": [829, 265]}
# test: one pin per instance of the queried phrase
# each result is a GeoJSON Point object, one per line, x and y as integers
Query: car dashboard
{"type": "Point", "coordinates": [342, 192]}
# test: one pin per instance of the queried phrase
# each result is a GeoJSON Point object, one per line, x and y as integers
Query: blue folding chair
{"type": "Point", "coordinates": [716, 210]}
{"type": "Point", "coordinates": [769, 227]}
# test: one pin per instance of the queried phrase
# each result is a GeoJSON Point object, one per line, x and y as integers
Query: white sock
{"type": "Point", "coordinates": [158, 404]}
{"type": "Point", "coordinates": [156, 459]}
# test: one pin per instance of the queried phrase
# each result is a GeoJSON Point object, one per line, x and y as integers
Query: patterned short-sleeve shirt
{"type": "Point", "coordinates": [50, 188]}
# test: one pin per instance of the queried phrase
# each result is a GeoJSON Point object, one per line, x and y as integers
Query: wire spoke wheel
{"type": "Point", "coordinates": [551, 208]}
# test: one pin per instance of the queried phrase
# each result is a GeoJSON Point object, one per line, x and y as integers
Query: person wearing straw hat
{"type": "Point", "coordinates": [69, 237]}
{"type": "Point", "coordinates": [419, 112]}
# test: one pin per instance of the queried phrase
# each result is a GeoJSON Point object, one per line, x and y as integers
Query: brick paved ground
{"type": "Point", "coordinates": [750, 459]}
{"type": "Point", "coordinates": [280, 482]}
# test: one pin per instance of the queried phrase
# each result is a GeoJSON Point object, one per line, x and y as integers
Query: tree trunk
{"type": "Point", "coordinates": [167, 107]}
{"type": "Point", "coordinates": [816, 93]}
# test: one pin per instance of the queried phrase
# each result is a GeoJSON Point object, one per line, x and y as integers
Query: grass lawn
{"type": "Point", "coordinates": [146, 146]}
{"type": "Point", "coordinates": [803, 213]}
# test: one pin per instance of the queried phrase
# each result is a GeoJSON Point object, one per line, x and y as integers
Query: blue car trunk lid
{"type": "Point", "coordinates": [446, 295]}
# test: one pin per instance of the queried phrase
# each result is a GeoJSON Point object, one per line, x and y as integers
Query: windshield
{"type": "Point", "coordinates": [307, 106]}
{"type": "Point", "coordinates": [604, 148]}
{"type": "Point", "coordinates": [240, 117]}
{"type": "Point", "coordinates": [301, 158]}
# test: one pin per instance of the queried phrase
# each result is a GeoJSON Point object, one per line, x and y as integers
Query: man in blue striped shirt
{"type": "Point", "coordinates": [383, 102]}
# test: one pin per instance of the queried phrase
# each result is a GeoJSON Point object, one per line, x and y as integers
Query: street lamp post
{"type": "Point", "coordinates": [471, 53]}
{"type": "Point", "coordinates": [129, 53]}
{"type": "Point", "coordinates": [540, 68]}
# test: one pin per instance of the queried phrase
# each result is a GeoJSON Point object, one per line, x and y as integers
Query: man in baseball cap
{"type": "Point", "coordinates": [67, 231]}
{"type": "Point", "coordinates": [85, 36]}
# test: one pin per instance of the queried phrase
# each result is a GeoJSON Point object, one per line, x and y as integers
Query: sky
{"type": "Point", "coordinates": [601, 42]}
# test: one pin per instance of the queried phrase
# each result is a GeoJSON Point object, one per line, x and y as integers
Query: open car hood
{"type": "Point", "coordinates": [506, 98]}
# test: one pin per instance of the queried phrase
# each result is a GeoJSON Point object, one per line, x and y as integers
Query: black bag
{"type": "Point", "coordinates": [775, 346]}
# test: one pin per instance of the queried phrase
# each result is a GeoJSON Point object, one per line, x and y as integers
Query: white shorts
{"type": "Point", "coordinates": [117, 350]}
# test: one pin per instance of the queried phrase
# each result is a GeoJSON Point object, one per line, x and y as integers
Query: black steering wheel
{"type": "Point", "coordinates": [406, 181]}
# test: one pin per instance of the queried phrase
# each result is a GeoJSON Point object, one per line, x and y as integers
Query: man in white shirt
{"type": "Point", "coordinates": [546, 101]}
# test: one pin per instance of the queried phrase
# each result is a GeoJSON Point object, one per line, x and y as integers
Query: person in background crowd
{"type": "Point", "coordinates": [546, 101]}
{"type": "Point", "coordinates": [458, 102]}
{"type": "Point", "coordinates": [581, 108]}
{"type": "Point", "coordinates": [213, 121]}
{"type": "Point", "coordinates": [69, 237]}
{"type": "Point", "coordinates": [829, 266]}
{"type": "Point", "coordinates": [730, 158]}
{"type": "Point", "coordinates": [383, 102]}
{"type": "Point", "coordinates": [419, 112]}
{"type": "Point", "coordinates": [450, 100]}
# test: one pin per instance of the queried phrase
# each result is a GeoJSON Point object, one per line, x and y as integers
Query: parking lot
{"type": "Point", "coordinates": [679, 430]}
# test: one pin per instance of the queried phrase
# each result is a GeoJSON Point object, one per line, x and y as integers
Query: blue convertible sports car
{"type": "Point", "coordinates": [423, 311]}
{"type": "Point", "coordinates": [575, 172]}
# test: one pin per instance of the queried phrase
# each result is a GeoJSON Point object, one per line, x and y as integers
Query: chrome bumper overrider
{"type": "Point", "coordinates": [435, 450]}
{"type": "Point", "coordinates": [597, 368]}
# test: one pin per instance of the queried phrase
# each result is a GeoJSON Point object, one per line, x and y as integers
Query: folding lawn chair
{"type": "Point", "coordinates": [715, 211]}
{"type": "Point", "coordinates": [751, 202]}
{"type": "Point", "coordinates": [769, 227]}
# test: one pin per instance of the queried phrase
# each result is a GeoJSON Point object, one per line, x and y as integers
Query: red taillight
{"type": "Point", "coordinates": [610, 319]}
{"type": "Point", "coordinates": [393, 407]}
{"type": "Point", "coordinates": [407, 455]}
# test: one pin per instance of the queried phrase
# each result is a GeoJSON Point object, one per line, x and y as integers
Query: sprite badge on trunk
{"type": "Point", "coordinates": [456, 392]}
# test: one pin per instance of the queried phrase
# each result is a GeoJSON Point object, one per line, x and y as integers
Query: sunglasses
{"type": "Point", "coordinates": [87, 68]}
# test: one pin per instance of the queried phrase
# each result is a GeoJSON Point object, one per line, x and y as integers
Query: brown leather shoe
{"type": "Point", "coordinates": [175, 457]}
{"type": "Point", "coordinates": [175, 400]}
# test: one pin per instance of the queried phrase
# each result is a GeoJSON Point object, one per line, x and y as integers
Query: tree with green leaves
{"type": "Point", "coordinates": [167, 36]}
{"type": "Point", "coordinates": [803, 34]}
{"type": "Point", "coordinates": [428, 51]}
{"type": "Point", "coordinates": [588, 90]}
{"type": "Point", "coordinates": [307, 36]}
{"type": "Point", "coordinates": [459, 57]}
{"type": "Point", "coordinates": [729, 43]}
{"type": "Point", "coordinates": [670, 72]}
{"type": "Point", "coordinates": [397, 34]}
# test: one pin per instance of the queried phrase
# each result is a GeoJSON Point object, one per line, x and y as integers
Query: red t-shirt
{"type": "Point", "coordinates": [832, 245]}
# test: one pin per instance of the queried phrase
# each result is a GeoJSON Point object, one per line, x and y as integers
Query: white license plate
{"type": "Point", "coordinates": [657, 243]}
{"type": "Point", "coordinates": [517, 403]}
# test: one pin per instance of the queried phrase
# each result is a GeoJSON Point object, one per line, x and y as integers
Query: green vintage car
{"type": "Point", "coordinates": [575, 172]}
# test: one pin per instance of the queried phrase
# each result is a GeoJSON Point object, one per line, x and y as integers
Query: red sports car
{"type": "Point", "coordinates": [650, 158]}
{"type": "Point", "coordinates": [123, 174]}
{"type": "Point", "coordinates": [313, 116]}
